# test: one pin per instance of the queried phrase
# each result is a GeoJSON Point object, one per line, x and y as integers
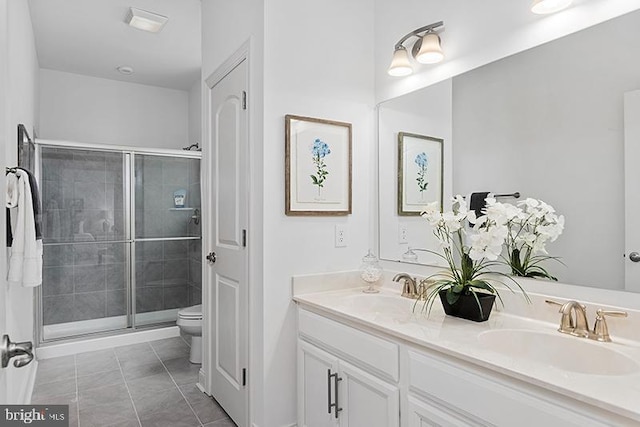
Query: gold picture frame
{"type": "Point", "coordinates": [318, 163]}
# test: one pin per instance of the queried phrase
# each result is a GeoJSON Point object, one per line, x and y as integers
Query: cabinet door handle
{"type": "Point", "coordinates": [335, 392]}
{"type": "Point", "coordinates": [329, 404]}
{"type": "Point", "coordinates": [335, 385]}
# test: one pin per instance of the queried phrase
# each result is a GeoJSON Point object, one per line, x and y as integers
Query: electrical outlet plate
{"type": "Point", "coordinates": [402, 234]}
{"type": "Point", "coordinates": [341, 236]}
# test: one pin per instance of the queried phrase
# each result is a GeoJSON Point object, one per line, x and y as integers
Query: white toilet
{"type": "Point", "coordinates": [190, 323]}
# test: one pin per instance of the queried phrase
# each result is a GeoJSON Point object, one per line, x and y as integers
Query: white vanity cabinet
{"type": "Point", "coordinates": [384, 381]}
{"type": "Point", "coordinates": [334, 392]}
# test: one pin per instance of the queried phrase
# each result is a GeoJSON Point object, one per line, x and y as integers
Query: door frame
{"type": "Point", "coordinates": [208, 360]}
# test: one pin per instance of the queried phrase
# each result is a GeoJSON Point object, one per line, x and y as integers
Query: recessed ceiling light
{"type": "Point", "coordinates": [125, 69]}
{"type": "Point", "coordinates": [145, 20]}
{"type": "Point", "coordinates": [543, 7]}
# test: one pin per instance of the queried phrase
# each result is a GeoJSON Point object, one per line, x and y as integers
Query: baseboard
{"type": "Point", "coordinates": [25, 399]}
{"type": "Point", "coordinates": [48, 351]}
{"type": "Point", "coordinates": [201, 384]}
{"type": "Point", "coordinates": [287, 425]}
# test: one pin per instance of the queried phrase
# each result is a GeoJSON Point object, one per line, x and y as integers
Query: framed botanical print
{"type": "Point", "coordinates": [420, 172]}
{"type": "Point", "coordinates": [317, 167]}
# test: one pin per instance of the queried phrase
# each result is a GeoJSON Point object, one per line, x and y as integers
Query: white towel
{"type": "Point", "coordinates": [25, 262]}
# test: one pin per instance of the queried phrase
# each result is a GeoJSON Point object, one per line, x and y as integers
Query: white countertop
{"type": "Point", "coordinates": [393, 315]}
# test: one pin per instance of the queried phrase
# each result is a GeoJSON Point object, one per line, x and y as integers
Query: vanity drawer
{"type": "Point", "coordinates": [486, 399]}
{"type": "Point", "coordinates": [356, 346]}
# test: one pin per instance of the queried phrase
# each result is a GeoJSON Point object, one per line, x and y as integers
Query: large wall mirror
{"type": "Point", "coordinates": [549, 123]}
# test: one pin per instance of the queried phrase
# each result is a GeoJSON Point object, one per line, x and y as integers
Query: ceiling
{"type": "Point", "coordinates": [90, 37]}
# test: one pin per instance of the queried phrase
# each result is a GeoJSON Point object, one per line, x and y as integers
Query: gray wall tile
{"type": "Point", "coordinates": [149, 299]}
{"type": "Point", "coordinates": [57, 280]}
{"type": "Point", "coordinates": [176, 249]}
{"type": "Point", "coordinates": [176, 269]}
{"type": "Point", "coordinates": [116, 276]}
{"type": "Point", "coordinates": [116, 303]}
{"type": "Point", "coordinates": [89, 278]}
{"type": "Point", "coordinates": [176, 296]}
{"type": "Point", "coordinates": [57, 309]}
{"type": "Point", "coordinates": [91, 305]}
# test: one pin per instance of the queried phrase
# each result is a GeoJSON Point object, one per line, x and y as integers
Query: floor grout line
{"type": "Point", "coordinates": [127, 387]}
{"type": "Point", "coordinates": [177, 386]}
{"type": "Point", "coordinates": [75, 368]}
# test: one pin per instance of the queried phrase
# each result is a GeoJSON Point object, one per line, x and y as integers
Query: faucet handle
{"type": "Point", "coordinates": [600, 328]}
{"type": "Point", "coordinates": [552, 302]}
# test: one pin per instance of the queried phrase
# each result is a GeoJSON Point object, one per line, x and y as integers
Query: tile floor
{"type": "Point", "coordinates": [147, 384]}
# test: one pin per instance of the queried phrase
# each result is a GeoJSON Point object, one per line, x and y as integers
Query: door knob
{"type": "Point", "coordinates": [634, 257]}
{"type": "Point", "coordinates": [10, 349]}
{"type": "Point", "coordinates": [211, 257]}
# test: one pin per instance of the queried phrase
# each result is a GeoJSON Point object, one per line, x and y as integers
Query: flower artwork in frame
{"type": "Point", "coordinates": [420, 172]}
{"type": "Point", "coordinates": [317, 167]}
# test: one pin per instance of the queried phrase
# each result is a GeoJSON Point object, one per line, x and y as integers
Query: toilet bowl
{"type": "Point", "coordinates": [190, 323]}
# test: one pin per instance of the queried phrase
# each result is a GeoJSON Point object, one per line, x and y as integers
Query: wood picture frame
{"type": "Point", "coordinates": [420, 172]}
{"type": "Point", "coordinates": [318, 167]}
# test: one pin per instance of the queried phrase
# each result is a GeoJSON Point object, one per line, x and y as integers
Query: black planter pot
{"type": "Point", "coordinates": [467, 307]}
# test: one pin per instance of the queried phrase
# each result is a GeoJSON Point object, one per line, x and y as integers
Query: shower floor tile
{"type": "Point", "coordinates": [147, 384]}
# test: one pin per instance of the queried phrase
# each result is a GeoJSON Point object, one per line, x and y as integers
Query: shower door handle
{"type": "Point", "coordinates": [211, 257]}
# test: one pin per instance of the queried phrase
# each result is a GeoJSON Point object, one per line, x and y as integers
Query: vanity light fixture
{"type": "Point", "coordinates": [544, 7]}
{"type": "Point", "coordinates": [426, 50]}
{"type": "Point", "coordinates": [145, 20]}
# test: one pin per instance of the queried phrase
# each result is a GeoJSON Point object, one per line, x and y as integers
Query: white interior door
{"type": "Point", "coordinates": [228, 343]}
{"type": "Point", "coordinates": [632, 190]}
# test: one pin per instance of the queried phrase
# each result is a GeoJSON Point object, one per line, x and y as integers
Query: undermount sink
{"type": "Point", "coordinates": [377, 303]}
{"type": "Point", "coordinates": [560, 351]}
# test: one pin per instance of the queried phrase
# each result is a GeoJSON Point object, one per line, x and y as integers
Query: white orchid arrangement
{"type": "Point", "coordinates": [470, 253]}
{"type": "Point", "coordinates": [530, 226]}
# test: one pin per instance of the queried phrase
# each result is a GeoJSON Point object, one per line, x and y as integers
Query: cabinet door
{"type": "Point", "coordinates": [366, 401]}
{"type": "Point", "coordinates": [426, 414]}
{"type": "Point", "coordinates": [314, 386]}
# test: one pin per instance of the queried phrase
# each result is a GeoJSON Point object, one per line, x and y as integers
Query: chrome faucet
{"type": "Point", "coordinates": [409, 290]}
{"type": "Point", "coordinates": [574, 321]}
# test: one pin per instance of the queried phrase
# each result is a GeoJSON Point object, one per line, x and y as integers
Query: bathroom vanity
{"type": "Point", "coordinates": [371, 360]}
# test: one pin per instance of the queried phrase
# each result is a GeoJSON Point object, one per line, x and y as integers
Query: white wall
{"type": "Point", "coordinates": [549, 123]}
{"type": "Point", "coordinates": [195, 114]}
{"type": "Point", "coordinates": [476, 33]}
{"type": "Point", "coordinates": [80, 108]}
{"type": "Point", "coordinates": [315, 65]}
{"type": "Point", "coordinates": [22, 69]}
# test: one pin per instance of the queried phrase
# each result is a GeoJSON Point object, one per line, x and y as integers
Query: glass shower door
{"type": "Point", "coordinates": [85, 241]}
{"type": "Point", "coordinates": [167, 237]}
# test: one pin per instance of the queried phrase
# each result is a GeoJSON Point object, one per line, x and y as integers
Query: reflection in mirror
{"type": "Point", "coordinates": [548, 122]}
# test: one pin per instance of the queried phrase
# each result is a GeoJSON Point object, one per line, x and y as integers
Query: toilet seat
{"type": "Point", "coordinates": [191, 313]}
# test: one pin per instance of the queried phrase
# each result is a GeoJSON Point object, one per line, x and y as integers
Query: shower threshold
{"type": "Point", "coordinates": [108, 324]}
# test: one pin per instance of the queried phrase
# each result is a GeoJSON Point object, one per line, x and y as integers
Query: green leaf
{"type": "Point", "coordinates": [314, 179]}
{"type": "Point", "coordinates": [452, 297]}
